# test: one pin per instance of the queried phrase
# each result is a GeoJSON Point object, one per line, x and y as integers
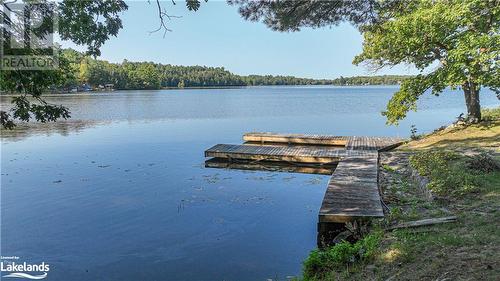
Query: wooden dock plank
{"type": "Point", "coordinates": [273, 153]}
{"type": "Point", "coordinates": [352, 192]}
{"type": "Point", "coordinates": [282, 153]}
{"type": "Point", "coordinates": [295, 139]}
{"type": "Point", "coordinates": [349, 142]}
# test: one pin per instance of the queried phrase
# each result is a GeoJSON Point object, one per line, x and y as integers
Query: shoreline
{"type": "Point", "coordinates": [204, 88]}
{"type": "Point", "coordinates": [446, 218]}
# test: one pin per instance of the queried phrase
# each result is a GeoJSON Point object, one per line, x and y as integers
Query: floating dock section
{"type": "Point", "coordinates": [347, 142]}
{"type": "Point", "coordinates": [318, 155]}
{"type": "Point", "coordinates": [352, 191]}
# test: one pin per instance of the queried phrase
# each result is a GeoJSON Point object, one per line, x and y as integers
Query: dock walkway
{"type": "Point", "coordinates": [352, 191]}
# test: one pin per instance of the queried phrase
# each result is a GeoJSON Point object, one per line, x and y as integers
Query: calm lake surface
{"type": "Point", "coordinates": [120, 192]}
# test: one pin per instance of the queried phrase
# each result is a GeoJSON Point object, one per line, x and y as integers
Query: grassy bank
{"type": "Point", "coordinates": [461, 167]}
{"type": "Point", "coordinates": [483, 136]}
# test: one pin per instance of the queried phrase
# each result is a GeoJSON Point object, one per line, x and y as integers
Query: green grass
{"type": "Point", "coordinates": [468, 249]}
{"type": "Point", "coordinates": [323, 264]}
{"type": "Point", "coordinates": [484, 135]}
{"type": "Point", "coordinates": [462, 165]}
{"type": "Point", "coordinates": [387, 168]}
{"type": "Point", "coordinates": [449, 173]}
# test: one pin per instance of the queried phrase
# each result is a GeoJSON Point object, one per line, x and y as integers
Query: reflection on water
{"type": "Point", "coordinates": [271, 166]}
{"type": "Point", "coordinates": [63, 128]}
{"type": "Point", "coordinates": [121, 192]}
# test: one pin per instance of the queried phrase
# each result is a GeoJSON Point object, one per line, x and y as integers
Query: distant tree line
{"type": "Point", "coordinates": [370, 80]}
{"type": "Point", "coordinates": [84, 70]}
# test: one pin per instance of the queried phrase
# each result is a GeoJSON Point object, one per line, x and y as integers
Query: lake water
{"type": "Point", "coordinates": [120, 192]}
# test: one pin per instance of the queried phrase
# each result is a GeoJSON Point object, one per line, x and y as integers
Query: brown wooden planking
{"type": "Point", "coordinates": [295, 139]}
{"type": "Point", "coordinates": [350, 142]}
{"type": "Point", "coordinates": [352, 192]}
{"type": "Point", "coordinates": [372, 143]}
{"type": "Point", "coordinates": [282, 153]}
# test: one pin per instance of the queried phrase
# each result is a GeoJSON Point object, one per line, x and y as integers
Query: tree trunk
{"type": "Point", "coordinates": [471, 93]}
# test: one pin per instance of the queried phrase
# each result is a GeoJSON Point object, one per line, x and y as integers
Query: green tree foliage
{"type": "Point", "coordinates": [88, 23]}
{"type": "Point", "coordinates": [371, 80]}
{"type": "Point", "coordinates": [461, 36]}
{"type": "Point", "coordinates": [148, 75]}
{"type": "Point", "coordinates": [81, 69]}
{"type": "Point", "coordinates": [292, 15]}
{"type": "Point", "coordinates": [457, 39]}
{"type": "Point", "coordinates": [322, 264]}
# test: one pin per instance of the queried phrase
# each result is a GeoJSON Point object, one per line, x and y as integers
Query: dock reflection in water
{"type": "Point", "coordinates": [325, 230]}
{"type": "Point", "coordinates": [274, 166]}
{"type": "Point", "coordinates": [352, 192]}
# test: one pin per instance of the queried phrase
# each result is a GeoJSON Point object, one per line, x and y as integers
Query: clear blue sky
{"type": "Point", "coordinates": [216, 35]}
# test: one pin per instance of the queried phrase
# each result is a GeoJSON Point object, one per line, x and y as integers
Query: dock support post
{"type": "Point", "coordinates": [327, 231]}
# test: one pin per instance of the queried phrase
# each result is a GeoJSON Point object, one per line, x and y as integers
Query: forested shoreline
{"type": "Point", "coordinates": [85, 72]}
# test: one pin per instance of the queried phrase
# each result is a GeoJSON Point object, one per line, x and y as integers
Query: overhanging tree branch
{"type": "Point", "coordinates": [162, 15]}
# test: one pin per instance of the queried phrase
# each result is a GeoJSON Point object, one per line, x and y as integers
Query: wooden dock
{"type": "Point", "coordinates": [347, 142]}
{"type": "Point", "coordinates": [352, 191]}
{"type": "Point", "coordinates": [319, 155]}
{"type": "Point", "coordinates": [295, 139]}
